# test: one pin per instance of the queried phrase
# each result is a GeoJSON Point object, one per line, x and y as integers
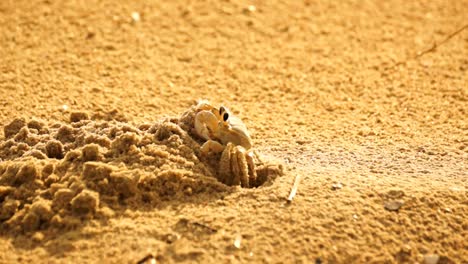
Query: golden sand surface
{"type": "Point", "coordinates": [99, 162]}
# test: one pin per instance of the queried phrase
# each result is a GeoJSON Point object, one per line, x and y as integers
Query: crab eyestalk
{"type": "Point", "coordinates": [224, 113]}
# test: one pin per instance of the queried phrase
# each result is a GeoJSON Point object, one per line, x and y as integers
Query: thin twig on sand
{"type": "Point", "coordinates": [431, 49]}
{"type": "Point", "coordinates": [149, 257]}
{"type": "Point", "coordinates": [294, 188]}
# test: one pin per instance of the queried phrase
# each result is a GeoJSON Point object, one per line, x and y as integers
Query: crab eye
{"type": "Point", "coordinates": [225, 117]}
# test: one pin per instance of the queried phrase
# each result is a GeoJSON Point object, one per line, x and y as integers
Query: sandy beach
{"type": "Point", "coordinates": [362, 105]}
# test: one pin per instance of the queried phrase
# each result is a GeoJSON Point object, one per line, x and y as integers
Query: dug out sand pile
{"type": "Point", "coordinates": [56, 177]}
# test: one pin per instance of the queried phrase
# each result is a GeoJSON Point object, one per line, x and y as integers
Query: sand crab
{"type": "Point", "coordinates": [227, 134]}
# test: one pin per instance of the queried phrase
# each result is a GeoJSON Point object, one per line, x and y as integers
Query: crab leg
{"type": "Point", "coordinates": [243, 167]}
{"type": "Point", "coordinates": [211, 146]}
{"type": "Point", "coordinates": [251, 169]}
{"type": "Point", "coordinates": [234, 178]}
{"type": "Point", "coordinates": [224, 171]}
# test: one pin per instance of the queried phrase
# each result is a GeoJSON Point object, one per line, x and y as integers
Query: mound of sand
{"type": "Point", "coordinates": [60, 175]}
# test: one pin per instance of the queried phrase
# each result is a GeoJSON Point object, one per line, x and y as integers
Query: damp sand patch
{"type": "Point", "coordinates": [58, 176]}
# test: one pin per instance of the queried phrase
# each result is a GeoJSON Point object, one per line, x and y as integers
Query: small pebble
{"type": "Point", "coordinates": [337, 186]}
{"type": "Point", "coordinates": [393, 205]}
{"type": "Point", "coordinates": [431, 259]}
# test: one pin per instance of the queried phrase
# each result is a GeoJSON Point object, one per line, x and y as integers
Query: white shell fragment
{"type": "Point", "coordinates": [337, 186]}
{"type": "Point", "coordinates": [135, 16]}
{"type": "Point", "coordinates": [251, 8]}
{"type": "Point", "coordinates": [237, 241]}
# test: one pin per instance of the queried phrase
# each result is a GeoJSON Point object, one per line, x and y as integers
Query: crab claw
{"type": "Point", "coordinates": [204, 105]}
{"type": "Point", "coordinates": [205, 124]}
